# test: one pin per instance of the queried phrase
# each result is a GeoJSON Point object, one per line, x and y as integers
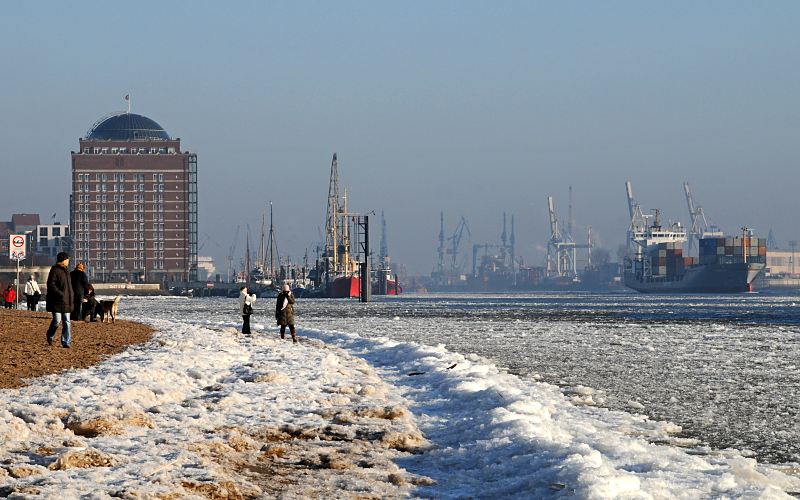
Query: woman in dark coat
{"type": "Point", "coordinates": [284, 312]}
{"type": "Point", "coordinates": [80, 283]}
{"type": "Point", "coordinates": [60, 299]}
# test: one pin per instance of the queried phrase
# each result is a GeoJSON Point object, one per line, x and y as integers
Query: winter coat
{"type": "Point", "coordinates": [246, 299]}
{"type": "Point", "coordinates": [80, 283]}
{"type": "Point", "coordinates": [284, 309]}
{"type": "Point", "coordinates": [9, 295]}
{"type": "Point", "coordinates": [32, 288]}
{"type": "Point", "coordinates": [60, 298]}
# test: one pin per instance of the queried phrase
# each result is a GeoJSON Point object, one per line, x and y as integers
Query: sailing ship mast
{"type": "Point", "coordinates": [247, 256]}
{"type": "Point", "coordinates": [272, 249]}
{"type": "Point", "coordinates": [332, 221]}
{"type": "Point", "coordinates": [260, 260]}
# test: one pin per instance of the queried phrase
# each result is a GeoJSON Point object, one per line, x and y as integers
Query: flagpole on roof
{"type": "Point", "coordinates": [128, 98]}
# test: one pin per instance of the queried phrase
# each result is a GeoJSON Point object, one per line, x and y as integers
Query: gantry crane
{"type": "Point", "coordinates": [699, 226]}
{"type": "Point", "coordinates": [561, 247]}
{"type": "Point", "coordinates": [455, 241]}
{"type": "Point", "coordinates": [231, 252]}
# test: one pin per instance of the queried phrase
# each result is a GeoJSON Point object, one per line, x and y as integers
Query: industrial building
{"type": "Point", "coordinates": [133, 208]}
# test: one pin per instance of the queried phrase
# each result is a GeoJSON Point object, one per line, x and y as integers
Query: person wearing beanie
{"type": "Point", "coordinates": [284, 312]}
{"type": "Point", "coordinates": [60, 299]}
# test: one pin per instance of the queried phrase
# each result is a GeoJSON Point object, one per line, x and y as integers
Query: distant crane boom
{"type": "Point", "coordinates": [697, 217]}
{"type": "Point", "coordinates": [232, 252]}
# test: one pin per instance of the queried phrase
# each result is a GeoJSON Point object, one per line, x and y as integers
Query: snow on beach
{"type": "Point", "coordinates": [202, 410]}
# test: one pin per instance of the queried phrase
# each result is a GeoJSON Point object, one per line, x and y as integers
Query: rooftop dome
{"type": "Point", "coordinates": [126, 127]}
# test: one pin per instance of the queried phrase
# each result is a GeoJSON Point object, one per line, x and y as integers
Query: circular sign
{"type": "Point", "coordinates": [18, 241]}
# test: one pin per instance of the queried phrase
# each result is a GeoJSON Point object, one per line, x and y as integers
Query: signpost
{"type": "Point", "coordinates": [17, 250]}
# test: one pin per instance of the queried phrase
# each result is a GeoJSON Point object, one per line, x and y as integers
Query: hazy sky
{"type": "Point", "coordinates": [473, 108]}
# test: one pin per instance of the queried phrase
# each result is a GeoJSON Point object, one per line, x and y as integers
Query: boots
{"type": "Point", "coordinates": [291, 331]}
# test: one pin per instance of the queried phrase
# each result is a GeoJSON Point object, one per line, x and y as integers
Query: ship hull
{"type": "Point", "coordinates": [392, 288]}
{"type": "Point", "coordinates": [703, 278]}
{"type": "Point", "coordinates": [345, 287]}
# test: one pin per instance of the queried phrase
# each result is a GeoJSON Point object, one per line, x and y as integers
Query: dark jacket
{"type": "Point", "coordinates": [59, 290]}
{"type": "Point", "coordinates": [285, 315]}
{"type": "Point", "coordinates": [80, 283]}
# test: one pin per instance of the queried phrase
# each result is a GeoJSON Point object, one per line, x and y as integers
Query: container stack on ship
{"type": "Point", "coordinates": [657, 264]}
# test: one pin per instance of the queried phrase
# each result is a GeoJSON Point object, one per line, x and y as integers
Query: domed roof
{"type": "Point", "coordinates": [127, 127]}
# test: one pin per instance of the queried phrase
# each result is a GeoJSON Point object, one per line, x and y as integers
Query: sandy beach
{"type": "Point", "coordinates": [25, 353]}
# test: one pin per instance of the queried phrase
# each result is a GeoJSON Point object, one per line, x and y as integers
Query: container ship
{"type": "Point", "coordinates": [656, 262]}
{"type": "Point", "coordinates": [725, 265]}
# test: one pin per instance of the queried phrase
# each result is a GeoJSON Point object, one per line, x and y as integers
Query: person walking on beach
{"type": "Point", "coordinates": [284, 312]}
{"type": "Point", "coordinates": [9, 296]}
{"type": "Point", "coordinates": [79, 285]}
{"type": "Point", "coordinates": [60, 299]}
{"type": "Point", "coordinates": [32, 293]}
{"type": "Point", "coordinates": [246, 302]}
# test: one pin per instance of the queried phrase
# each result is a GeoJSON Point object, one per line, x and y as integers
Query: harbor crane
{"type": "Point", "coordinates": [231, 252]}
{"type": "Point", "coordinates": [454, 241]}
{"type": "Point", "coordinates": [503, 262]}
{"type": "Point", "coordinates": [384, 254]}
{"type": "Point", "coordinates": [560, 250]}
{"type": "Point", "coordinates": [638, 220]}
{"type": "Point", "coordinates": [697, 217]}
{"type": "Point", "coordinates": [561, 247]}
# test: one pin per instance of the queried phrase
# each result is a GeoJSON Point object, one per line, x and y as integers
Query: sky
{"type": "Point", "coordinates": [468, 108]}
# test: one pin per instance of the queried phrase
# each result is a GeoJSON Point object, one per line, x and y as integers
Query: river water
{"type": "Point", "coordinates": [724, 368]}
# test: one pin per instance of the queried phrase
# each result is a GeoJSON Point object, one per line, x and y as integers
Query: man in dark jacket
{"type": "Point", "coordinates": [60, 299]}
{"type": "Point", "coordinates": [284, 312]}
{"type": "Point", "coordinates": [80, 283]}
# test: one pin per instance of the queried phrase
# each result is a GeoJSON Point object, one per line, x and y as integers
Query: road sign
{"type": "Point", "coordinates": [17, 246]}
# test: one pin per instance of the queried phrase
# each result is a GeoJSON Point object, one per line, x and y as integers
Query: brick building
{"type": "Point", "coordinates": [133, 209]}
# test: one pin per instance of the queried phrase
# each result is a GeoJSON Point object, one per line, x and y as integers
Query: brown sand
{"type": "Point", "coordinates": [24, 352]}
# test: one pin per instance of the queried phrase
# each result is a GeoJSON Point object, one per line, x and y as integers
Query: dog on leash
{"type": "Point", "coordinates": [108, 310]}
